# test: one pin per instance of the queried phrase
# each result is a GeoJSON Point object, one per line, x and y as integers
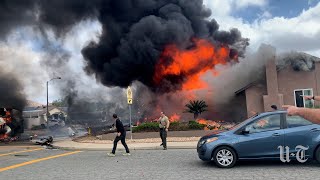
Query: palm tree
{"type": "Point", "coordinates": [196, 107]}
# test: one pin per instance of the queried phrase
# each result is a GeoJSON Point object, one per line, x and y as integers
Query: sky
{"type": "Point", "coordinates": [288, 25]}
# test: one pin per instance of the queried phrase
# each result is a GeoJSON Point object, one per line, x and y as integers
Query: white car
{"type": "Point", "coordinates": [54, 123]}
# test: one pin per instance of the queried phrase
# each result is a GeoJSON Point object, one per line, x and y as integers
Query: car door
{"type": "Point", "coordinates": [262, 141]}
{"type": "Point", "coordinates": [300, 131]}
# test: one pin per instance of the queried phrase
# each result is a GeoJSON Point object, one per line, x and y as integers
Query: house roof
{"type": "Point", "coordinates": [245, 87]}
{"type": "Point", "coordinates": [297, 60]}
{"type": "Point", "coordinates": [40, 110]}
{"type": "Point", "coordinates": [33, 104]}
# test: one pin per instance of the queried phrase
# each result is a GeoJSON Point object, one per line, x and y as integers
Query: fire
{"type": "Point", "coordinates": [209, 123]}
{"type": "Point", "coordinates": [202, 121]}
{"type": "Point", "coordinates": [174, 118]}
{"type": "Point", "coordinates": [7, 117]}
{"type": "Point", "coordinates": [190, 64]}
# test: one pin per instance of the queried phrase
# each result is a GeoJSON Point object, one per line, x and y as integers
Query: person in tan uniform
{"type": "Point", "coordinates": [164, 126]}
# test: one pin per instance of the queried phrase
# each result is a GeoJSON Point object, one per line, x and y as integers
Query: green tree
{"type": "Point", "coordinates": [196, 107]}
{"type": "Point", "coordinates": [60, 103]}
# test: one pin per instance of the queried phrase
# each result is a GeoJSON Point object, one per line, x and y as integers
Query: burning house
{"type": "Point", "coordinates": [288, 78]}
{"type": "Point", "coordinates": [169, 51]}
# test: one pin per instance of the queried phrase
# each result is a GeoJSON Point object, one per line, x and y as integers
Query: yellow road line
{"type": "Point", "coordinates": [17, 146]}
{"type": "Point", "coordinates": [17, 152]}
{"type": "Point", "coordinates": [37, 160]}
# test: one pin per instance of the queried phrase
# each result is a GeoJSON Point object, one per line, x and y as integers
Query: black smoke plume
{"type": "Point", "coordinates": [134, 33]}
{"type": "Point", "coordinates": [11, 92]}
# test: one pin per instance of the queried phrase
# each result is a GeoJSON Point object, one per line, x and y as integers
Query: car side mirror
{"type": "Point", "coordinates": [245, 132]}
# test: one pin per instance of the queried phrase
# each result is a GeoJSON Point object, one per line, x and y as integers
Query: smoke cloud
{"type": "Point", "coordinates": [12, 93]}
{"type": "Point", "coordinates": [134, 32]}
{"type": "Point", "coordinates": [299, 61]}
{"type": "Point", "coordinates": [133, 35]}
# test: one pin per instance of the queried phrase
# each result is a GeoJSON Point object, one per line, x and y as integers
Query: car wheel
{"type": "Point", "coordinates": [224, 157]}
{"type": "Point", "coordinates": [317, 154]}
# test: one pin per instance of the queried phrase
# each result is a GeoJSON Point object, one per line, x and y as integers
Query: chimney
{"type": "Point", "coordinates": [273, 97]}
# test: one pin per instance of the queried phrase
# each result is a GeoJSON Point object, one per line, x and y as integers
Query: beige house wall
{"type": "Point", "coordinates": [254, 99]}
{"type": "Point", "coordinates": [290, 80]}
{"type": "Point", "coordinates": [280, 86]}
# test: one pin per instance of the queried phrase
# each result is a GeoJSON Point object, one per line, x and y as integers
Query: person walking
{"type": "Point", "coordinates": [164, 126]}
{"type": "Point", "coordinates": [121, 136]}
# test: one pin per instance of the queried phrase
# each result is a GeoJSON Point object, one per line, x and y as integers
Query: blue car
{"type": "Point", "coordinates": [270, 135]}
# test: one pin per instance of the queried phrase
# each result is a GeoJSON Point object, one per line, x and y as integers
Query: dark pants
{"type": "Point", "coordinates": [121, 138]}
{"type": "Point", "coordinates": [163, 135]}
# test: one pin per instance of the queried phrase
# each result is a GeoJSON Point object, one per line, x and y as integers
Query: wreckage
{"type": "Point", "coordinates": [11, 125]}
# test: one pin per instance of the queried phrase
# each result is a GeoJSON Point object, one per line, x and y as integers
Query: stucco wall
{"type": "Point", "coordinates": [290, 80]}
{"type": "Point", "coordinates": [254, 99]}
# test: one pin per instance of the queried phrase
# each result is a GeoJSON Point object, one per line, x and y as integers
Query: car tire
{"type": "Point", "coordinates": [317, 155]}
{"type": "Point", "coordinates": [224, 157]}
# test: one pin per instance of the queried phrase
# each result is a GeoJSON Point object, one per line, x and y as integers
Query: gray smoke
{"type": "Point", "coordinates": [134, 33]}
{"type": "Point", "coordinates": [299, 61]}
{"type": "Point", "coordinates": [11, 92]}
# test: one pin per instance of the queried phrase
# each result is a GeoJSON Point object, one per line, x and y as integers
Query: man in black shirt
{"type": "Point", "coordinates": [121, 136]}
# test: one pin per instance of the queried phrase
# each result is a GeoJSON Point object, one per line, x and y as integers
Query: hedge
{"type": "Point", "coordinates": [174, 126]}
{"type": "Point", "coordinates": [146, 127]}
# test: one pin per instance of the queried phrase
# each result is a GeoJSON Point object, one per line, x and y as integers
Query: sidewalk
{"type": "Point", "coordinates": [71, 145]}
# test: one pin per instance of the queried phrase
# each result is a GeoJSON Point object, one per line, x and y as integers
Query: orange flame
{"type": "Point", "coordinates": [208, 123]}
{"type": "Point", "coordinates": [202, 121]}
{"type": "Point", "coordinates": [190, 64]}
{"type": "Point", "coordinates": [175, 118]}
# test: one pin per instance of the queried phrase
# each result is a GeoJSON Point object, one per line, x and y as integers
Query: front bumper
{"type": "Point", "coordinates": [203, 152]}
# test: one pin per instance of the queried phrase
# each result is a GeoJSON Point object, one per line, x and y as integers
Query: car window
{"type": "Point", "coordinates": [296, 121]}
{"type": "Point", "coordinates": [266, 123]}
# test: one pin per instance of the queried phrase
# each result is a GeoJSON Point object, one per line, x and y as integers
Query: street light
{"type": "Point", "coordinates": [48, 99]}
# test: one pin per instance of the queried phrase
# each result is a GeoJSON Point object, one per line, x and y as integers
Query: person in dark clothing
{"type": "Point", "coordinates": [274, 107]}
{"type": "Point", "coordinates": [121, 136]}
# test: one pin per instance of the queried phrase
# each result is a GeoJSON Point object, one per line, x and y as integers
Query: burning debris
{"type": "Point", "coordinates": [11, 124]}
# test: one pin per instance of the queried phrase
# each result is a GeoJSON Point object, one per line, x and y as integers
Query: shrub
{"type": "Point", "coordinates": [178, 126]}
{"type": "Point", "coordinates": [196, 126]}
{"type": "Point", "coordinates": [174, 126]}
{"type": "Point", "coordinates": [147, 127]}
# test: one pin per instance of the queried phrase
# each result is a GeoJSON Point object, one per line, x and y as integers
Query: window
{"type": "Point", "coordinates": [296, 121]}
{"type": "Point", "coordinates": [267, 123]}
{"type": "Point", "coordinates": [300, 101]}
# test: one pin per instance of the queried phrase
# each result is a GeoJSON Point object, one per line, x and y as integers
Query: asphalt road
{"type": "Point", "coordinates": [33, 162]}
